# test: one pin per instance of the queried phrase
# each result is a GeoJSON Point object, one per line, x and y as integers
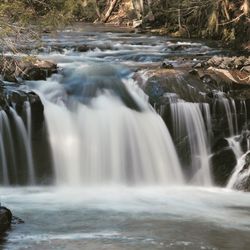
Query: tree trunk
{"type": "Point", "coordinates": [139, 8]}
{"type": "Point", "coordinates": [112, 4]}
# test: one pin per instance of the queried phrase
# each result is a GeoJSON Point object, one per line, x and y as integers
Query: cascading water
{"type": "Point", "coordinates": [13, 150]}
{"type": "Point", "coordinates": [188, 122]}
{"type": "Point", "coordinates": [5, 176]}
{"type": "Point", "coordinates": [97, 139]}
{"type": "Point", "coordinates": [227, 105]}
{"type": "Point", "coordinates": [240, 178]}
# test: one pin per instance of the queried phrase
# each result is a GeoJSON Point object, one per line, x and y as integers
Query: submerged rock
{"type": "Point", "coordinates": [5, 219]}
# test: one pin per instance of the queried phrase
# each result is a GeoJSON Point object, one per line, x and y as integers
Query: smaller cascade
{"type": "Point", "coordinates": [228, 106]}
{"type": "Point", "coordinates": [240, 178]}
{"type": "Point", "coordinates": [27, 109]}
{"type": "Point", "coordinates": [188, 122]}
{"type": "Point", "coordinates": [7, 143]}
{"type": "Point", "coordinates": [23, 135]}
{"type": "Point", "coordinates": [234, 144]}
{"type": "Point", "coordinates": [3, 161]}
{"type": "Point", "coordinates": [243, 110]}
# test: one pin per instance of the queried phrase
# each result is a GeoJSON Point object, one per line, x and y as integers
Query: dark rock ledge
{"type": "Point", "coordinates": [5, 219]}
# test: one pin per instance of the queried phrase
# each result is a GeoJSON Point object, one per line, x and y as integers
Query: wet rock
{"type": "Point", "coordinates": [5, 219]}
{"type": "Point", "coordinates": [246, 69]}
{"type": "Point", "coordinates": [198, 65]}
{"type": "Point", "coordinates": [15, 70]}
{"type": "Point", "coordinates": [223, 162]}
{"type": "Point", "coordinates": [16, 220]}
{"type": "Point", "coordinates": [83, 48]}
{"type": "Point", "coordinates": [167, 65]}
{"type": "Point", "coordinates": [228, 62]}
{"type": "Point", "coordinates": [193, 72]}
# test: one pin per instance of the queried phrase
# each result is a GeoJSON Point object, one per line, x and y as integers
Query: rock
{"type": "Point", "coordinates": [83, 48]}
{"type": "Point", "coordinates": [193, 72]}
{"type": "Point", "coordinates": [37, 70]}
{"type": "Point", "coordinates": [15, 220]}
{"type": "Point", "coordinates": [137, 23]}
{"type": "Point", "coordinates": [5, 219]}
{"type": "Point", "coordinates": [198, 65]}
{"type": "Point", "coordinates": [14, 70]}
{"type": "Point", "coordinates": [167, 65]}
{"type": "Point", "coordinates": [228, 62]}
{"type": "Point", "coordinates": [215, 61]}
{"type": "Point", "coordinates": [246, 69]}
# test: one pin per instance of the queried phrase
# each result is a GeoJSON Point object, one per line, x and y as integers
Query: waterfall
{"type": "Point", "coordinates": [5, 176]}
{"type": "Point", "coordinates": [188, 122]}
{"type": "Point", "coordinates": [23, 135]}
{"type": "Point", "coordinates": [99, 136]}
{"type": "Point", "coordinates": [228, 106]}
{"type": "Point", "coordinates": [234, 144]}
{"type": "Point", "coordinates": [240, 178]}
{"type": "Point", "coordinates": [27, 109]}
{"type": "Point", "coordinates": [15, 150]}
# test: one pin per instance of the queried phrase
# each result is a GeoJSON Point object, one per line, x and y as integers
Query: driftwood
{"type": "Point", "coordinates": [109, 11]}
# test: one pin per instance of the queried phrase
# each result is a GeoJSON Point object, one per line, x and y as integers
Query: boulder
{"type": "Point", "coordinates": [167, 65]}
{"type": "Point", "coordinates": [83, 48]}
{"type": "Point", "coordinates": [15, 70]}
{"type": "Point", "coordinates": [5, 219]}
{"type": "Point", "coordinates": [236, 62]}
{"type": "Point", "coordinates": [246, 69]}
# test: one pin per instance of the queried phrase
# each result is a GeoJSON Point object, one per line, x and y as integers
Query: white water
{"type": "Point", "coordinates": [5, 129]}
{"type": "Point", "coordinates": [142, 218]}
{"type": "Point", "coordinates": [239, 175]}
{"type": "Point", "coordinates": [105, 142]}
{"type": "Point", "coordinates": [234, 144]}
{"type": "Point", "coordinates": [228, 106]}
{"type": "Point", "coordinates": [23, 134]}
{"type": "Point", "coordinates": [188, 121]}
{"type": "Point", "coordinates": [3, 161]}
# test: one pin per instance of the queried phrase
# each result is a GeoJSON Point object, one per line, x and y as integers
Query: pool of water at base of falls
{"type": "Point", "coordinates": [127, 218]}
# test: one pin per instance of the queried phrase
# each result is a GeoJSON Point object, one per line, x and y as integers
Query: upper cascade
{"type": "Point", "coordinates": [103, 131]}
